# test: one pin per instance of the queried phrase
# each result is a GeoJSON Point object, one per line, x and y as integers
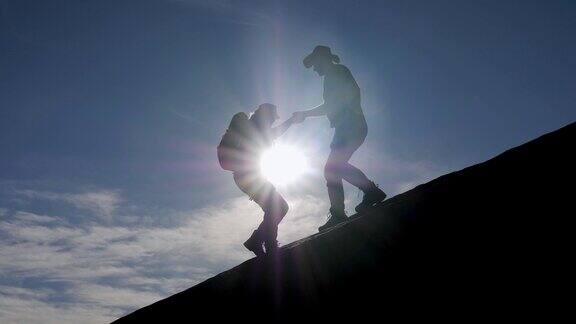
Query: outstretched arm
{"type": "Point", "coordinates": [280, 129]}
{"type": "Point", "coordinates": [299, 116]}
{"type": "Point", "coordinates": [316, 111]}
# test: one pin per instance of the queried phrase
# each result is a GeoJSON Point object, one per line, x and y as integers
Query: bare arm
{"type": "Point", "coordinates": [316, 111]}
{"type": "Point", "coordinates": [282, 128]}
{"type": "Point", "coordinates": [299, 116]}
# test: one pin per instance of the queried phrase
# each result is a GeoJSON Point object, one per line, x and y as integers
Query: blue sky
{"type": "Point", "coordinates": [110, 193]}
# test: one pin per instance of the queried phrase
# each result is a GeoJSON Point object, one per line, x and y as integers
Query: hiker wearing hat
{"type": "Point", "coordinates": [240, 151]}
{"type": "Point", "coordinates": [342, 107]}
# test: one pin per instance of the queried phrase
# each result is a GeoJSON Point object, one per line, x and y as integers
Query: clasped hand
{"type": "Point", "coordinates": [298, 117]}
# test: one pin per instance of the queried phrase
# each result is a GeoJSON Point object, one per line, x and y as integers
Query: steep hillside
{"type": "Point", "coordinates": [493, 240]}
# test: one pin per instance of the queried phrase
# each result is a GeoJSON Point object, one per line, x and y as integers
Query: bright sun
{"type": "Point", "coordinates": [283, 164]}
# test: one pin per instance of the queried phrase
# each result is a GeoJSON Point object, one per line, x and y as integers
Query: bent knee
{"type": "Point", "coordinates": [277, 206]}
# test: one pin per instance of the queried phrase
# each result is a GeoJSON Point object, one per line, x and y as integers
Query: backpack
{"type": "Point", "coordinates": [232, 149]}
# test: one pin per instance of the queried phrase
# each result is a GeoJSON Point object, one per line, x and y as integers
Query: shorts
{"type": "Point", "coordinates": [349, 136]}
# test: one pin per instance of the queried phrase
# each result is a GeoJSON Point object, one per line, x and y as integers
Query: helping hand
{"type": "Point", "coordinates": [298, 117]}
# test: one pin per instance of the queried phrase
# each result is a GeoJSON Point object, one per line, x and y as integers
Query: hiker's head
{"type": "Point", "coordinates": [321, 59]}
{"type": "Point", "coordinates": [265, 115]}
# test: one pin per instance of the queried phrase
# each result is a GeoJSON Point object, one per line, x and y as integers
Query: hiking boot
{"type": "Point", "coordinates": [336, 217]}
{"type": "Point", "coordinates": [254, 244]}
{"type": "Point", "coordinates": [271, 247]}
{"type": "Point", "coordinates": [371, 197]}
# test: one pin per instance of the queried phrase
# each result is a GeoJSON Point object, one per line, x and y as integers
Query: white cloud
{"type": "Point", "coordinates": [102, 203]}
{"type": "Point", "coordinates": [34, 218]}
{"type": "Point", "coordinates": [106, 271]}
{"type": "Point", "coordinates": [114, 297]}
{"type": "Point", "coordinates": [16, 309]}
{"type": "Point", "coordinates": [24, 293]}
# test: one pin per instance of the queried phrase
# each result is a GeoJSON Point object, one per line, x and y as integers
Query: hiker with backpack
{"type": "Point", "coordinates": [240, 151]}
{"type": "Point", "coordinates": [342, 107]}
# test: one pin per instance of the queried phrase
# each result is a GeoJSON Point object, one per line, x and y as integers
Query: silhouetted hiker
{"type": "Point", "coordinates": [239, 151]}
{"type": "Point", "coordinates": [342, 107]}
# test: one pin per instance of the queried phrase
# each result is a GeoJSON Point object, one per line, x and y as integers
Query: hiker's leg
{"type": "Point", "coordinates": [355, 177]}
{"type": "Point", "coordinates": [333, 176]}
{"type": "Point", "coordinates": [272, 218]}
{"type": "Point", "coordinates": [275, 208]}
{"type": "Point", "coordinates": [332, 173]}
{"type": "Point", "coordinates": [348, 172]}
{"type": "Point", "coordinates": [249, 185]}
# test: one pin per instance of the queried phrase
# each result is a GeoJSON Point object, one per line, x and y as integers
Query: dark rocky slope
{"type": "Point", "coordinates": [491, 241]}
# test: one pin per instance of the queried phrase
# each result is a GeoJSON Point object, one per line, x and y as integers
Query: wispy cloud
{"type": "Point", "coordinates": [102, 203]}
{"type": "Point", "coordinates": [34, 218]}
{"type": "Point", "coordinates": [19, 308]}
{"type": "Point", "coordinates": [102, 271]}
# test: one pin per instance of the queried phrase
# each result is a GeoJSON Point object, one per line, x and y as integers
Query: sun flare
{"type": "Point", "coordinates": [283, 164]}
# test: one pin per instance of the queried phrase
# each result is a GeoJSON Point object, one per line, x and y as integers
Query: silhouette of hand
{"type": "Point", "coordinates": [298, 117]}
